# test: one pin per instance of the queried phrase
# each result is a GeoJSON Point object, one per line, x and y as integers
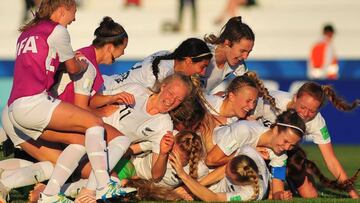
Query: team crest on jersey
{"type": "Point", "coordinates": [122, 77]}
{"type": "Point", "coordinates": [146, 130]}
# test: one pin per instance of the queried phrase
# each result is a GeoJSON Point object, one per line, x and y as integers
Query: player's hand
{"type": "Point", "coordinates": [175, 162]}
{"type": "Point", "coordinates": [81, 61]}
{"type": "Point", "coordinates": [124, 98]}
{"type": "Point", "coordinates": [166, 143]}
{"type": "Point", "coordinates": [282, 195]}
{"type": "Point", "coordinates": [263, 152]}
{"type": "Point", "coordinates": [108, 110]}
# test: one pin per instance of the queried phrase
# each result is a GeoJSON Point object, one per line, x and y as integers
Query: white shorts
{"type": "Point", "coordinates": [32, 114]}
{"type": "Point", "coordinates": [16, 136]}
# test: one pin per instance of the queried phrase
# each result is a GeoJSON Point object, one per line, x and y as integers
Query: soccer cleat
{"type": "Point", "coordinates": [86, 196]}
{"type": "Point", "coordinates": [59, 198]}
{"type": "Point", "coordinates": [114, 191]}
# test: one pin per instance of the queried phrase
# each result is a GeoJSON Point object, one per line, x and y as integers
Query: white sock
{"type": "Point", "coordinates": [73, 189]}
{"type": "Point", "coordinates": [29, 175]}
{"type": "Point", "coordinates": [65, 166]}
{"type": "Point", "coordinates": [116, 149]}
{"type": "Point", "coordinates": [95, 148]}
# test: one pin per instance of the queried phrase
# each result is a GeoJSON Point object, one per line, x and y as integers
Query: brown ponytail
{"type": "Point", "coordinates": [46, 9]}
{"type": "Point", "coordinates": [323, 92]}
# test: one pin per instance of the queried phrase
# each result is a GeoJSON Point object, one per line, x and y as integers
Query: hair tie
{"type": "Point", "coordinates": [119, 36]}
{"type": "Point", "coordinates": [291, 126]}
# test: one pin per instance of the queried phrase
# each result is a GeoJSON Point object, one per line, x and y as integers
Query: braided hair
{"type": "Point", "coordinates": [247, 172]}
{"type": "Point", "coordinates": [191, 144]}
{"type": "Point", "coordinates": [299, 165]}
{"type": "Point", "coordinates": [323, 92]}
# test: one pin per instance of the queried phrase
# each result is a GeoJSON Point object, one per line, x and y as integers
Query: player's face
{"type": "Point", "coordinates": [69, 15]}
{"type": "Point", "coordinates": [116, 52]}
{"type": "Point", "coordinates": [306, 106]}
{"type": "Point", "coordinates": [171, 95]}
{"type": "Point", "coordinates": [284, 141]}
{"type": "Point", "coordinates": [239, 51]}
{"type": "Point", "coordinates": [198, 67]}
{"type": "Point", "coordinates": [243, 100]}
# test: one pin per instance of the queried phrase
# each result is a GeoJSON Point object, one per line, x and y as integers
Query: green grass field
{"type": "Point", "coordinates": [347, 154]}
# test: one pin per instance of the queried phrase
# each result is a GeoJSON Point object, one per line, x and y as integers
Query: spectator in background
{"type": "Point", "coordinates": [193, 14]}
{"type": "Point", "coordinates": [230, 9]}
{"type": "Point", "coordinates": [323, 63]}
{"type": "Point", "coordinates": [178, 26]}
{"type": "Point", "coordinates": [136, 3]}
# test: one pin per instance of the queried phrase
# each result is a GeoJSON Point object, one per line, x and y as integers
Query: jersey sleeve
{"type": "Point", "coordinates": [278, 165]}
{"type": "Point", "coordinates": [60, 40]}
{"type": "Point", "coordinates": [317, 131]}
{"type": "Point", "coordinates": [145, 146]}
{"type": "Point", "coordinates": [85, 83]}
{"type": "Point", "coordinates": [233, 137]}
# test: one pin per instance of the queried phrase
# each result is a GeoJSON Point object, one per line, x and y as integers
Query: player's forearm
{"type": "Point", "coordinates": [159, 168]}
{"type": "Point", "coordinates": [199, 190]}
{"type": "Point", "coordinates": [336, 169]}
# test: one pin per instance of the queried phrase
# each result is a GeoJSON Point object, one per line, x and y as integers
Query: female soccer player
{"type": "Point", "coordinates": [307, 102]}
{"type": "Point", "coordinates": [229, 50]}
{"type": "Point", "coordinates": [244, 178]}
{"type": "Point", "coordinates": [191, 57]}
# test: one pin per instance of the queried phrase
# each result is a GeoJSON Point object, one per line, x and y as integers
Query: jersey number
{"type": "Point", "coordinates": [124, 112]}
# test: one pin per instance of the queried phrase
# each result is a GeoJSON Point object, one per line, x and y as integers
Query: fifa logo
{"type": "Point", "coordinates": [27, 44]}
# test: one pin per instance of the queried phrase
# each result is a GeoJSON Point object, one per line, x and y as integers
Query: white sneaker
{"type": "Point", "coordinates": [114, 191]}
{"type": "Point", "coordinates": [59, 198]}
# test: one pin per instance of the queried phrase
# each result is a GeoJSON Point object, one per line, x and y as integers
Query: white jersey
{"type": "Point", "coordinates": [238, 134]}
{"type": "Point", "coordinates": [136, 123]}
{"type": "Point", "coordinates": [245, 192]}
{"type": "Point", "coordinates": [143, 170]}
{"type": "Point", "coordinates": [316, 129]}
{"type": "Point", "coordinates": [231, 137]}
{"type": "Point", "coordinates": [214, 75]}
{"type": "Point", "coordinates": [84, 84]}
{"type": "Point", "coordinates": [141, 73]}
{"type": "Point", "coordinates": [216, 103]}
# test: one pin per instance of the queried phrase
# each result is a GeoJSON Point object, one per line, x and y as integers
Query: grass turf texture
{"type": "Point", "coordinates": [347, 154]}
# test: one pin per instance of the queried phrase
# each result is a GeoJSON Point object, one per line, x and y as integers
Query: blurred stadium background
{"type": "Point", "coordinates": [285, 31]}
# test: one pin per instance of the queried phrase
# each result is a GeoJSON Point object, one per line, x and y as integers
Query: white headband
{"type": "Point", "coordinates": [291, 126]}
{"type": "Point", "coordinates": [201, 55]}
